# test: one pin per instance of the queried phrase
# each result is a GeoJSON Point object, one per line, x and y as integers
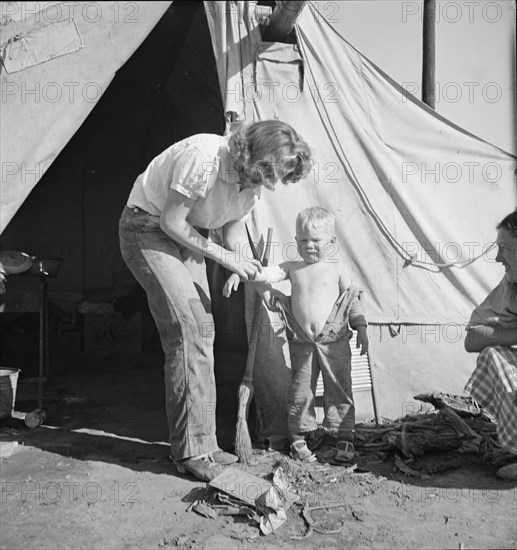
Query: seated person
{"type": "Point", "coordinates": [492, 332]}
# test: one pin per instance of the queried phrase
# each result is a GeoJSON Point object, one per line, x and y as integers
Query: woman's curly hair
{"type": "Point", "coordinates": [268, 151]}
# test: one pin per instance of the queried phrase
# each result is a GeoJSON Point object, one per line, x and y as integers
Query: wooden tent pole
{"type": "Point", "coordinates": [283, 19]}
{"type": "Point", "coordinates": [429, 54]}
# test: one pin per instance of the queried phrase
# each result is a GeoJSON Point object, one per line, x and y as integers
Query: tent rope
{"type": "Point", "coordinates": [459, 264]}
{"type": "Point", "coordinates": [409, 259]}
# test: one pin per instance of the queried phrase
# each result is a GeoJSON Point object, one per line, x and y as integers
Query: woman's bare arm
{"type": "Point", "coordinates": [173, 221]}
{"type": "Point", "coordinates": [235, 237]}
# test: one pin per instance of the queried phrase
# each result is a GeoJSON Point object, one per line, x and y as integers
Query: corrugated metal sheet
{"type": "Point", "coordinates": [361, 374]}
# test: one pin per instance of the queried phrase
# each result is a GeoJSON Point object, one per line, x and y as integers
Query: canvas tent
{"type": "Point", "coordinates": [77, 129]}
{"type": "Point", "coordinates": [416, 198]}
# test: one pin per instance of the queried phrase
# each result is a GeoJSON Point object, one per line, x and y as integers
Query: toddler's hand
{"type": "Point", "coordinates": [270, 300]}
{"type": "Point", "coordinates": [231, 284]}
{"type": "Point", "coordinates": [362, 340]}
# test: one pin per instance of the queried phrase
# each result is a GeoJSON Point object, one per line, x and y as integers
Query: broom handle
{"type": "Point", "coordinates": [250, 360]}
{"type": "Point", "coordinates": [267, 252]}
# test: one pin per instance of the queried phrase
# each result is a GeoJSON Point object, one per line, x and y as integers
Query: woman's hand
{"type": "Point", "coordinates": [235, 237]}
{"type": "Point", "coordinates": [245, 269]}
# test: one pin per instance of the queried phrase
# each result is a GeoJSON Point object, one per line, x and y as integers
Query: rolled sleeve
{"type": "Point", "coordinates": [498, 309]}
{"type": "Point", "coordinates": [194, 175]}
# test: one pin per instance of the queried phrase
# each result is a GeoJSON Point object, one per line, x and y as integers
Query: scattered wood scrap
{"type": "Point", "coordinates": [463, 405]}
{"type": "Point", "coordinates": [440, 431]}
{"type": "Point", "coordinates": [405, 469]}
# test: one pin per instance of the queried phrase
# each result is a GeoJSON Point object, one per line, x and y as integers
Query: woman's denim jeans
{"type": "Point", "coordinates": [175, 281]}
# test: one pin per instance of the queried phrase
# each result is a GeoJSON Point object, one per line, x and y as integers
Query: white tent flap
{"type": "Point", "coordinates": [416, 198]}
{"type": "Point", "coordinates": [46, 90]}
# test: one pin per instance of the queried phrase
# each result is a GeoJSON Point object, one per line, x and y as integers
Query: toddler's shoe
{"type": "Point", "coordinates": [300, 451]}
{"type": "Point", "coordinates": [345, 451]}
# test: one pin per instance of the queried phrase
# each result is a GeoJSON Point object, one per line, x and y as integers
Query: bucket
{"type": "Point", "coordinates": [8, 382]}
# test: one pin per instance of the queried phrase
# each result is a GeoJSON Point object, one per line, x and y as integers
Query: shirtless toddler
{"type": "Point", "coordinates": [322, 305]}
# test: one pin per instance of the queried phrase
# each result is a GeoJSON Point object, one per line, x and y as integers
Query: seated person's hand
{"type": "Point", "coordinates": [362, 340]}
{"type": "Point", "coordinates": [231, 284]}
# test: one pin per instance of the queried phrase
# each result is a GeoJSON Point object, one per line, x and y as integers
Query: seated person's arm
{"type": "Point", "coordinates": [482, 336]}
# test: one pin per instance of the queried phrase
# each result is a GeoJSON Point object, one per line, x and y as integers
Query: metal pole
{"type": "Point", "coordinates": [46, 362]}
{"type": "Point", "coordinates": [429, 54]}
{"type": "Point", "coordinates": [42, 343]}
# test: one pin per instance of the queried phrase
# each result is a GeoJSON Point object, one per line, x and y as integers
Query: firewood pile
{"type": "Point", "coordinates": [458, 423]}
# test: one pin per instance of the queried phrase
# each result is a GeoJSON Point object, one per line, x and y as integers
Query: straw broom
{"type": "Point", "coordinates": [243, 447]}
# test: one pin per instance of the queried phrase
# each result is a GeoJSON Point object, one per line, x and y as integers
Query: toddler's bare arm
{"type": "Point", "coordinates": [358, 322]}
{"type": "Point", "coordinates": [273, 273]}
{"type": "Point", "coordinates": [262, 280]}
{"type": "Point", "coordinates": [345, 279]}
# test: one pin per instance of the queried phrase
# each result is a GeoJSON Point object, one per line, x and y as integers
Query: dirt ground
{"type": "Point", "coordinates": [97, 475]}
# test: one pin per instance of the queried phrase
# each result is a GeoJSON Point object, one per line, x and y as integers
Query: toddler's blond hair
{"type": "Point", "coordinates": [313, 217]}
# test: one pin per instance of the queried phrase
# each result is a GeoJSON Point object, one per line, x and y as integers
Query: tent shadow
{"type": "Point", "coordinates": [135, 455]}
{"type": "Point", "coordinates": [109, 409]}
